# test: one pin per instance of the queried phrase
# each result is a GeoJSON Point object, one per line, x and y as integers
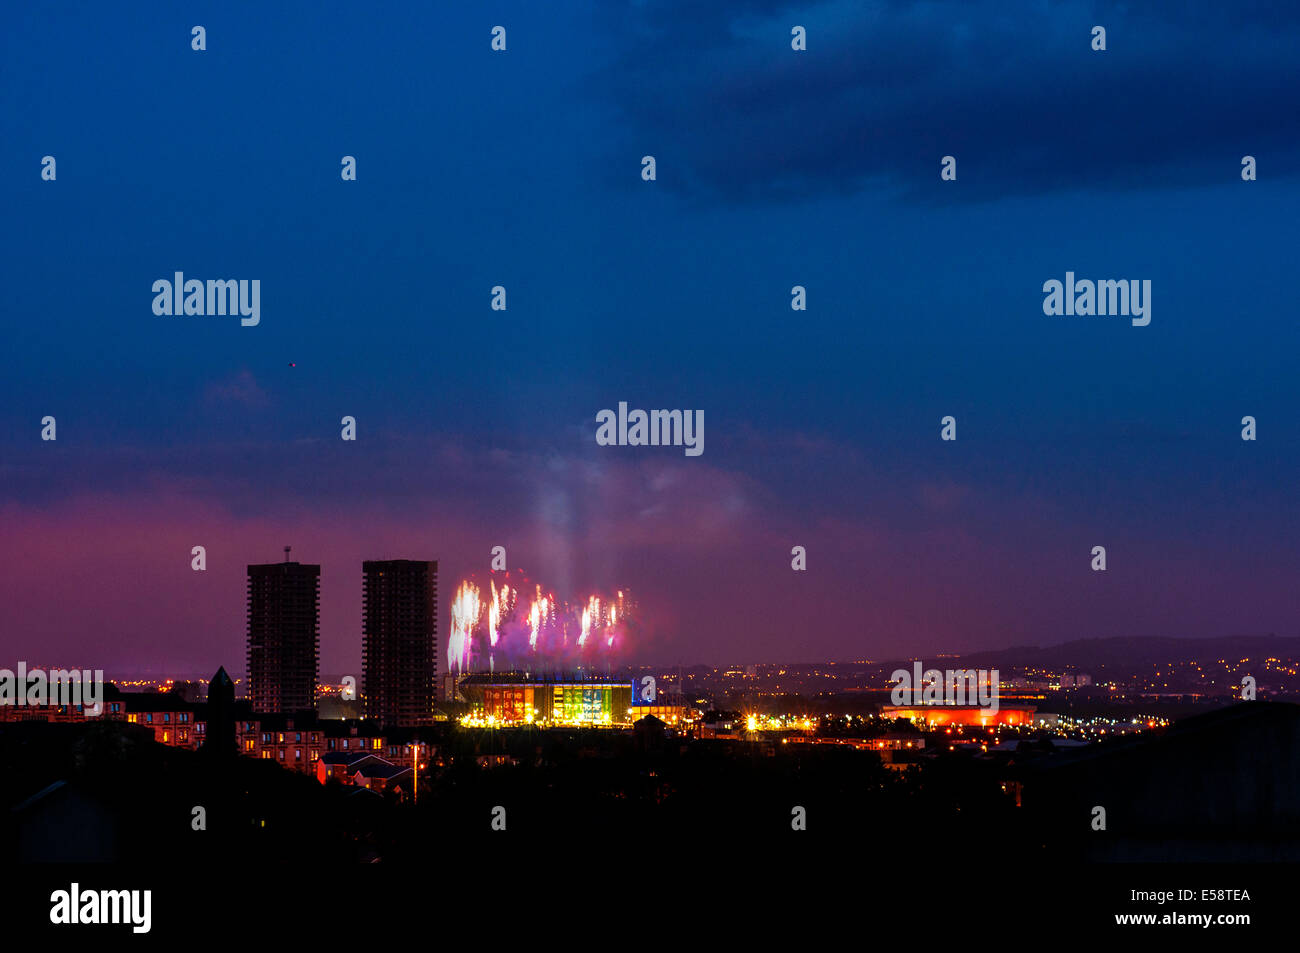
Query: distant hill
{"type": "Point", "coordinates": [1091, 654]}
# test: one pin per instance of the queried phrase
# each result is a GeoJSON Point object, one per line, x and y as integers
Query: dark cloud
{"type": "Point", "coordinates": [1014, 91]}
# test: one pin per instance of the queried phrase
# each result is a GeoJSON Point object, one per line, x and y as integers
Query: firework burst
{"type": "Point", "coordinates": [532, 627]}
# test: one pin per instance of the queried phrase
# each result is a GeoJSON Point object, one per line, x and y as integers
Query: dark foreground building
{"type": "Point", "coordinates": [400, 642]}
{"type": "Point", "coordinates": [219, 728]}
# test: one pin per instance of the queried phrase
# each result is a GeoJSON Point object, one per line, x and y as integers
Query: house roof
{"type": "Point", "coordinates": [381, 769]}
{"type": "Point", "coordinates": [347, 758]}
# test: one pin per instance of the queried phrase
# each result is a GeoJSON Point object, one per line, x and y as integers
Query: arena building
{"type": "Point", "coordinates": [938, 716]}
{"type": "Point", "coordinates": [524, 699]}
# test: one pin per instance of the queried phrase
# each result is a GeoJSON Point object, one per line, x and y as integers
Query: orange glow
{"type": "Point", "coordinates": [940, 715]}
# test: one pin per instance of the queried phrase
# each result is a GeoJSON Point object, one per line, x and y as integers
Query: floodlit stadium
{"type": "Point", "coordinates": [504, 700]}
{"type": "Point", "coordinates": [970, 715]}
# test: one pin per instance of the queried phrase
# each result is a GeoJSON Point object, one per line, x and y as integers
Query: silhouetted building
{"type": "Point", "coordinates": [283, 636]}
{"type": "Point", "coordinates": [650, 734]}
{"type": "Point", "coordinates": [219, 729]}
{"type": "Point", "coordinates": [400, 642]}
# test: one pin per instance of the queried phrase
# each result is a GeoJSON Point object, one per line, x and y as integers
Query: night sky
{"type": "Point", "coordinates": [477, 428]}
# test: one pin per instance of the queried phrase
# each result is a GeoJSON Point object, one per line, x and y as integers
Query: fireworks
{"type": "Point", "coordinates": [494, 615]}
{"type": "Point", "coordinates": [465, 612]}
{"type": "Point", "coordinates": [531, 628]}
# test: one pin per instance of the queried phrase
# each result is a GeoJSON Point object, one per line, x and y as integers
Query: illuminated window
{"type": "Point", "coordinates": [133, 719]}
{"type": "Point", "coordinates": [167, 736]}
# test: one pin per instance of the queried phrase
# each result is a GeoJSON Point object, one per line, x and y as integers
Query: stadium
{"type": "Point", "coordinates": [526, 699]}
{"type": "Point", "coordinates": [968, 715]}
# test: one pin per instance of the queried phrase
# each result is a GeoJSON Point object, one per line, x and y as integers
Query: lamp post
{"type": "Point", "coordinates": [415, 769]}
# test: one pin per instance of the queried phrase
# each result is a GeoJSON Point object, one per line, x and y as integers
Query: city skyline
{"type": "Point", "coordinates": [591, 453]}
{"type": "Point", "coordinates": [476, 428]}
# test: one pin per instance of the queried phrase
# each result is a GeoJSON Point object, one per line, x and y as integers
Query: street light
{"type": "Point", "coordinates": [415, 769]}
